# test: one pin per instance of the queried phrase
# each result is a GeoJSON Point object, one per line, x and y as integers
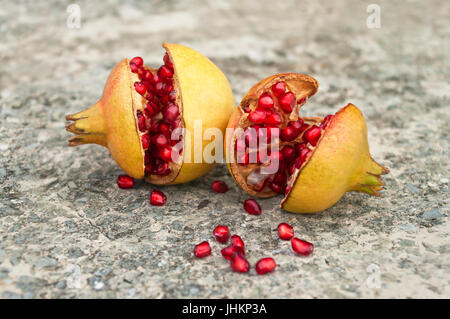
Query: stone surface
{"type": "Point", "coordinates": [67, 231]}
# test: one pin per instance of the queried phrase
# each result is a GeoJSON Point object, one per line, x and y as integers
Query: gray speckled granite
{"type": "Point", "coordinates": [61, 214]}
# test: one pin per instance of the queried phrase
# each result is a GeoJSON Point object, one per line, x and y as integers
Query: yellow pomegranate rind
{"type": "Point", "coordinates": [340, 163]}
{"type": "Point", "coordinates": [111, 122]}
{"type": "Point", "coordinates": [206, 96]}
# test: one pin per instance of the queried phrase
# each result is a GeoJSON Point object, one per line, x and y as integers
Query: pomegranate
{"type": "Point", "coordinates": [202, 250]}
{"type": "Point", "coordinates": [221, 233]}
{"type": "Point", "coordinates": [265, 265]}
{"type": "Point", "coordinates": [141, 110]}
{"type": "Point", "coordinates": [125, 181]}
{"type": "Point", "coordinates": [311, 161]}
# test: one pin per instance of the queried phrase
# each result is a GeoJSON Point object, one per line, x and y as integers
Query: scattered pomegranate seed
{"type": "Point", "coordinates": [138, 61]}
{"type": "Point", "coordinates": [157, 198]}
{"type": "Point", "coordinates": [265, 265]}
{"type": "Point", "coordinates": [312, 135]}
{"type": "Point", "coordinates": [140, 88]}
{"type": "Point", "coordinates": [125, 181]}
{"type": "Point", "coordinates": [237, 242]}
{"type": "Point", "coordinates": [265, 101]}
{"type": "Point", "coordinates": [219, 187]}
{"type": "Point", "coordinates": [302, 247]}
{"type": "Point", "coordinates": [239, 263]}
{"type": "Point", "coordinates": [285, 231]}
{"type": "Point", "coordinates": [278, 88]}
{"type": "Point", "coordinates": [202, 250]}
{"type": "Point", "coordinates": [222, 233]}
{"type": "Point", "coordinates": [252, 207]}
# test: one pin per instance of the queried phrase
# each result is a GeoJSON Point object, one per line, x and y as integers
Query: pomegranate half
{"type": "Point", "coordinates": [141, 108]}
{"type": "Point", "coordinates": [318, 159]}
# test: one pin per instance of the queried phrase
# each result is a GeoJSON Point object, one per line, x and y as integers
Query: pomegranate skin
{"type": "Point", "coordinates": [332, 171]}
{"type": "Point", "coordinates": [112, 121]}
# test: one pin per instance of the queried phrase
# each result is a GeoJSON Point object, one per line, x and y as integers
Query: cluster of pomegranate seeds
{"type": "Point", "coordinates": [159, 117]}
{"type": "Point", "coordinates": [285, 231]}
{"type": "Point", "coordinates": [125, 181]}
{"type": "Point", "coordinates": [202, 250]}
{"type": "Point", "coordinates": [265, 265]}
{"type": "Point", "coordinates": [222, 233]}
{"type": "Point", "coordinates": [296, 140]}
{"type": "Point", "coordinates": [157, 198]}
{"type": "Point", "coordinates": [252, 207]}
{"type": "Point", "coordinates": [219, 187]}
{"type": "Point", "coordinates": [302, 247]}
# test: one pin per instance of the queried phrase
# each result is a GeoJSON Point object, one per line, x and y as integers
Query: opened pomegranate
{"type": "Point", "coordinates": [311, 161]}
{"type": "Point", "coordinates": [142, 111]}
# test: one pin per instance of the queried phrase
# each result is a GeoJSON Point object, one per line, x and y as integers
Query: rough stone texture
{"type": "Point", "coordinates": [61, 213]}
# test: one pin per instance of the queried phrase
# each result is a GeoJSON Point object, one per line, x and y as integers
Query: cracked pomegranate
{"type": "Point", "coordinates": [142, 113]}
{"type": "Point", "coordinates": [312, 161]}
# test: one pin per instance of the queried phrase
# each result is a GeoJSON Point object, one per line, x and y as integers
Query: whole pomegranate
{"type": "Point", "coordinates": [141, 111]}
{"type": "Point", "coordinates": [312, 161]}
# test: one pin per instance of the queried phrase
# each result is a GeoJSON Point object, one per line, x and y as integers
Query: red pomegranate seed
{"type": "Point", "coordinates": [288, 153]}
{"type": "Point", "coordinates": [141, 121]}
{"type": "Point", "coordinates": [257, 116]}
{"type": "Point", "coordinates": [222, 233]}
{"type": "Point", "coordinates": [299, 147]}
{"type": "Point", "coordinates": [304, 153]}
{"type": "Point", "coordinates": [229, 251]}
{"type": "Point", "coordinates": [166, 154]}
{"type": "Point", "coordinates": [157, 198]}
{"type": "Point", "coordinates": [280, 177]}
{"type": "Point", "coordinates": [138, 61]}
{"type": "Point", "coordinates": [273, 119]}
{"type": "Point", "coordinates": [160, 140]}
{"type": "Point", "coordinates": [219, 187]}
{"type": "Point", "coordinates": [287, 101]}
{"type": "Point", "coordinates": [171, 112]}
{"type": "Point", "coordinates": [148, 76]}
{"type": "Point", "coordinates": [265, 265]}
{"type": "Point", "coordinates": [326, 120]}
{"type": "Point", "coordinates": [167, 61]}
{"type": "Point", "coordinates": [252, 207]}
{"type": "Point", "coordinates": [301, 100]}
{"type": "Point", "coordinates": [289, 134]}
{"type": "Point", "coordinates": [140, 88]}
{"type": "Point", "coordinates": [278, 88]}
{"type": "Point", "coordinates": [237, 242]}
{"type": "Point", "coordinates": [285, 231]}
{"type": "Point", "coordinates": [134, 68]}
{"type": "Point", "coordinates": [296, 125]}
{"type": "Point", "coordinates": [239, 263]}
{"type": "Point", "coordinates": [202, 250]}
{"type": "Point", "coordinates": [265, 101]}
{"type": "Point", "coordinates": [145, 141]}
{"type": "Point", "coordinates": [276, 188]}
{"type": "Point", "coordinates": [165, 71]}
{"type": "Point", "coordinates": [302, 247]}
{"type": "Point", "coordinates": [125, 181]}
{"type": "Point", "coordinates": [161, 169]}
{"type": "Point", "coordinates": [312, 135]}
{"type": "Point", "coordinates": [159, 88]}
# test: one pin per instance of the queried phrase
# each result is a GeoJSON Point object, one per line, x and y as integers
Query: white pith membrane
{"type": "Point", "coordinates": [157, 107]}
{"type": "Point", "coordinates": [298, 138]}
